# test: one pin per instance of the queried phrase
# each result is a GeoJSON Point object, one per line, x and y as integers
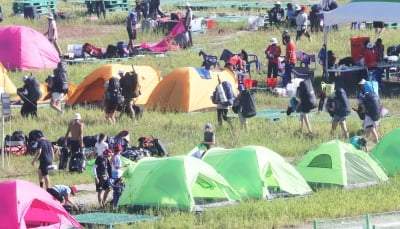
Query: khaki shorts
{"type": "Point", "coordinates": [368, 122]}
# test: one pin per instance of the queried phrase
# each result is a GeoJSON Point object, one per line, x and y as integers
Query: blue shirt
{"type": "Point", "coordinates": [62, 189]}
{"type": "Point", "coordinates": [131, 20]}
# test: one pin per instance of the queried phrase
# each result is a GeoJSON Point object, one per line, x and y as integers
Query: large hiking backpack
{"type": "Point", "coordinates": [162, 151]}
{"type": "Point", "coordinates": [77, 162]}
{"type": "Point", "coordinates": [215, 97]}
{"type": "Point", "coordinates": [32, 140]}
{"type": "Point", "coordinates": [113, 91]}
{"type": "Point", "coordinates": [342, 106]}
{"type": "Point", "coordinates": [64, 158]}
{"type": "Point", "coordinates": [307, 95]}
{"type": "Point", "coordinates": [373, 106]}
{"type": "Point", "coordinates": [248, 104]}
{"type": "Point", "coordinates": [92, 50]}
{"type": "Point", "coordinates": [33, 87]}
{"type": "Point", "coordinates": [229, 94]}
{"type": "Point", "coordinates": [60, 79]}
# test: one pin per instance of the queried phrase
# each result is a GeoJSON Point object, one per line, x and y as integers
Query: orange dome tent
{"type": "Point", "coordinates": [92, 87]}
{"type": "Point", "coordinates": [188, 89]}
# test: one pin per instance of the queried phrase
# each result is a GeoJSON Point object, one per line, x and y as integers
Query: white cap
{"type": "Point", "coordinates": [362, 81]}
{"type": "Point", "coordinates": [121, 71]}
{"type": "Point", "coordinates": [76, 116]}
{"type": "Point", "coordinates": [273, 41]}
{"type": "Point", "coordinates": [187, 4]}
{"type": "Point", "coordinates": [278, 3]}
{"type": "Point", "coordinates": [297, 7]}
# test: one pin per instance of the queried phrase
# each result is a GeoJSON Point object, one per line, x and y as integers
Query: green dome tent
{"type": "Point", "coordinates": [387, 152]}
{"type": "Point", "coordinates": [179, 182]}
{"type": "Point", "coordinates": [257, 172]}
{"type": "Point", "coordinates": [341, 164]}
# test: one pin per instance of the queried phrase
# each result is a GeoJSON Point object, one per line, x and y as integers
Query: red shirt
{"type": "Point", "coordinates": [273, 52]}
{"type": "Point", "coordinates": [236, 61]}
{"type": "Point", "coordinates": [371, 58]}
{"type": "Point", "coordinates": [290, 52]}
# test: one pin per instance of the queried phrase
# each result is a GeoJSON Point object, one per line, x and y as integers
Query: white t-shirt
{"type": "Point", "coordinates": [116, 163]}
{"type": "Point", "coordinates": [100, 147]}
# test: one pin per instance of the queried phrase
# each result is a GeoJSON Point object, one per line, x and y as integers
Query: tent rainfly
{"type": "Point", "coordinates": [257, 172]}
{"type": "Point", "coordinates": [336, 163]}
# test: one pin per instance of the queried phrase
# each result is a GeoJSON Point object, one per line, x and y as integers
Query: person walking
{"type": "Point", "coordinates": [272, 53]}
{"type": "Point", "coordinates": [188, 23]}
{"type": "Point", "coordinates": [340, 108]}
{"type": "Point", "coordinates": [290, 59]}
{"type": "Point", "coordinates": [101, 172]}
{"type": "Point", "coordinates": [52, 33]}
{"type": "Point", "coordinates": [45, 155]}
{"type": "Point", "coordinates": [301, 24]}
{"type": "Point", "coordinates": [58, 86]}
{"type": "Point", "coordinates": [131, 25]}
{"type": "Point", "coordinates": [30, 93]}
{"type": "Point", "coordinates": [276, 15]}
{"type": "Point", "coordinates": [75, 127]}
{"type": "Point", "coordinates": [129, 84]}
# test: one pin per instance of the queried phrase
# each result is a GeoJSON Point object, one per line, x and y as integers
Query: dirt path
{"type": "Point", "coordinates": [87, 195]}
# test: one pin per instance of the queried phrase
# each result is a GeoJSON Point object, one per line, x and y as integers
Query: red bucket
{"type": "Point", "coordinates": [248, 83]}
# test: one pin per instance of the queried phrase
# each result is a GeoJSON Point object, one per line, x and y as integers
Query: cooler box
{"type": "Point", "coordinates": [356, 47]}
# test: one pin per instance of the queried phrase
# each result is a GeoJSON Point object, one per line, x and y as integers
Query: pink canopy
{"type": "Point", "coordinates": [24, 48]}
{"type": "Point", "coordinates": [26, 205]}
{"type": "Point", "coordinates": [166, 43]}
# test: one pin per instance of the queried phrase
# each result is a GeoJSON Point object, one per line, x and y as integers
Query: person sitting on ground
{"type": "Point", "coordinates": [276, 15]}
{"type": "Point", "coordinates": [101, 173]}
{"type": "Point", "coordinates": [209, 136]}
{"type": "Point", "coordinates": [63, 193]}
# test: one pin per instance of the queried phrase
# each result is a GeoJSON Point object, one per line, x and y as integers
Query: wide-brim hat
{"type": "Point", "coordinates": [297, 7]}
{"type": "Point", "coordinates": [273, 41]}
{"type": "Point", "coordinates": [76, 116]}
{"type": "Point", "coordinates": [50, 16]}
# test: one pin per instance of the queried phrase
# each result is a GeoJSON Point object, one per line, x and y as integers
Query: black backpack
{"type": "Point", "coordinates": [112, 51]}
{"type": "Point", "coordinates": [373, 106]}
{"type": "Point", "coordinates": [247, 104]}
{"type": "Point", "coordinates": [342, 106]}
{"type": "Point", "coordinates": [1, 15]}
{"type": "Point", "coordinates": [60, 79]}
{"type": "Point", "coordinates": [113, 91]}
{"type": "Point", "coordinates": [307, 95]}
{"type": "Point", "coordinates": [33, 87]}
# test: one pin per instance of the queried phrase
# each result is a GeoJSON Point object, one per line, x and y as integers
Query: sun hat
{"type": "Point", "coordinates": [208, 126]}
{"type": "Point", "coordinates": [73, 190]}
{"type": "Point", "coordinates": [278, 3]}
{"type": "Point", "coordinates": [187, 4]}
{"type": "Point", "coordinates": [117, 148]}
{"type": "Point", "coordinates": [50, 16]}
{"type": "Point", "coordinates": [297, 7]}
{"type": "Point", "coordinates": [121, 71]}
{"type": "Point", "coordinates": [362, 82]}
{"type": "Point", "coordinates": [76, 116]}
{"type": "Point", "coordinates": [273, 41]}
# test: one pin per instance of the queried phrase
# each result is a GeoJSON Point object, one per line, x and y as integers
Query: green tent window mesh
{"type": "Point", "coordinates": [321, 161]}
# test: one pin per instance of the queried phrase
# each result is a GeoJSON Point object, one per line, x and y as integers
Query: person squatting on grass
{"type": "Point", "coordinates": [101, 172]}
{"type": "Point", "coordinates": [62, 193]}
{"type": "Point", "coordinates": [45, 155]}
{"type": "Point", "coordinates": [339, 108]}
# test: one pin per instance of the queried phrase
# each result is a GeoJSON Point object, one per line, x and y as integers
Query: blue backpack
{"type": "Point", "coordinates": [230, 95]}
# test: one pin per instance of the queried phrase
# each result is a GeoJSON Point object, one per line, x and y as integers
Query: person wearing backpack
{"type": "Point", "coordinates": [307, 102]}
{"type": "Point", "coordinates": [371, 107]}
{"type": "Point", "coordinates": [45, 155]}
{"type": "Point", "coordinates": [30, 93]}
{"type": "Point", "coordinates": [340, 109]}
{"type": "Point", "coordinates": [58, 86]}
{"type": "Point", "coordinates": [129, 84]}
{"type": "Point", "coordinates": [111, 99]}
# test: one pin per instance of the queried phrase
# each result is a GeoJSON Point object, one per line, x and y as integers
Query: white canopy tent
{"type": "Point", "coordinates": [364, 10]}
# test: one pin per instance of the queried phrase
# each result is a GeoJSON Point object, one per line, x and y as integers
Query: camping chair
{"type": "Point", "coordinates": [254, 60]}
{"type": "Point", "coordinates": [304, 71]}
{"type": "Point", "coordinates": [209, 60]}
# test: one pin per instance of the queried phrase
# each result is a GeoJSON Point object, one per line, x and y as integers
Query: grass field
{"type": "Point", "coordinates": [181, 131]}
